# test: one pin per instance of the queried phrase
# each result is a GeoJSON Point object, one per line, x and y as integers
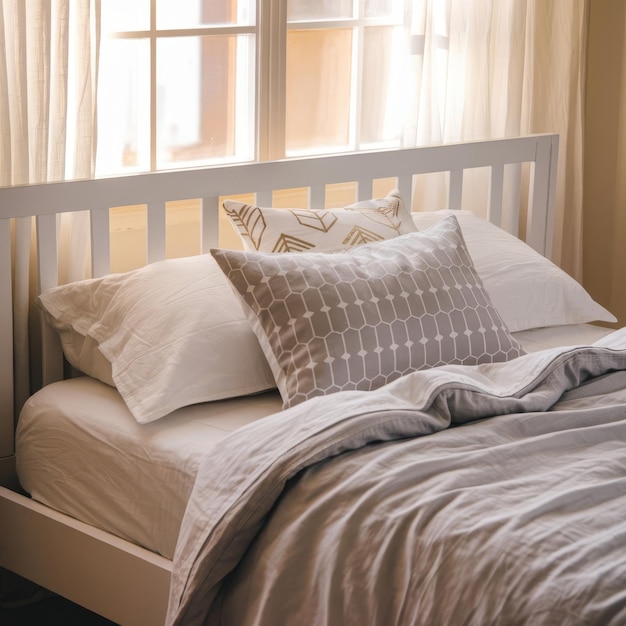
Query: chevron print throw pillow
{"type": "Point", "coordinates": [319, 230]}
{"type": "Point", "coordinates": [362, 318]}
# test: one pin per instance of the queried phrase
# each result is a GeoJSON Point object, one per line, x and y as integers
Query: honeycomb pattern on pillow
{"type": "Point", "coordinates": [360, 319]}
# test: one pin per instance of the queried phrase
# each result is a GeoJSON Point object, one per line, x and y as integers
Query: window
{"type": "Point", "coordinates": [211, 81]}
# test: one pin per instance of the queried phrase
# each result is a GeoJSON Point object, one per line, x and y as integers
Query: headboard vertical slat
{"type": "Point", "coordinates": [155, 232]}
{"type": "Point", "coordinates": [455, 190]}
{"type": "Point", "coordinates": [511, 202]}
{"type": "Point", "coordinates": [100, 242]}
{"type": "Point", "coordinates": [6, 342]}
{"type": "Point", "coordinates": [496, 192]}
{"type": "Point", "coordinates": [364, 189]}
{"type": "Point", "coordinates": [264, 198]}
{"type": "Point", "coordinates": [48, 272]}
{"type": "Point", "coordinates": [47, 253]}
{"type": "Point", "coordinates": [209, 222]}
{"type": "Point", "coordinates": [405, 187]}
{"type": "Point", "coordinates": [317, 197]}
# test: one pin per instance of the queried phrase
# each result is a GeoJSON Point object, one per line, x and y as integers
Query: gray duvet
{"type": "Point", "coordinates": [461, 495]}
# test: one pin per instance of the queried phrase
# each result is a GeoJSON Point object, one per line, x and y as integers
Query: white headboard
{"type": "Point", "coordinates": [45, 201]}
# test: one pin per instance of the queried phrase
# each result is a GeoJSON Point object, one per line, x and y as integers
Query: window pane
{"type": "Point", "coordinates": [318, 9]}
{"type": "Point", "coordinates": [382, 8]}
{"type": "Point", "coordinates": [318, 89]}
{"type": "Point", "coordinates": [381, 112]}
{"type": "Point", "coordinates": [205, 91]}
{"type": "Point", "coordinates": [124, 107]}
{"type": "Point", "coordinates": [122, 15]}
{"type": "Point", "coordinates": [190, 13]}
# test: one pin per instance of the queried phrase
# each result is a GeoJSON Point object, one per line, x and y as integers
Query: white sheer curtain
{"type": "Point", "coordinates": [497, 68]}
{"type": "Point", "coordinates": [48, 72]}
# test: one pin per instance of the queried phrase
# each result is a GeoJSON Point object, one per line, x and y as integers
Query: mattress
{"type": "Point", "coordinates": [80, 451]}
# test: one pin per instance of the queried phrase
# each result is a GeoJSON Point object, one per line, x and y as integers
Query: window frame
{"type": "Point", "coordinates": [270, 31]}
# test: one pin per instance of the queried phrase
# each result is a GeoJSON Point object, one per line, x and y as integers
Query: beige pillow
{"type": "Point", "coordinates": [360, 319]}
{"type": "Point", "coordinates": [319, 230]}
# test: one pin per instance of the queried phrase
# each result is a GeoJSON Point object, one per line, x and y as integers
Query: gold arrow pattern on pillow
{"type": "Point", "coordinates": [358, 236]}
{"type": "Point", "coordinates": [318, 220]}
{"type": "Point", "coordinates": [320, 230]}
{"type": "Point", "coordinates": [287, 243]}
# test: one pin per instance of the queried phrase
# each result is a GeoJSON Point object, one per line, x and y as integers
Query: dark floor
{"type": "Point", "coordinates": [25, 604]}
{"type": "Point", "coordinates": [54, 611]}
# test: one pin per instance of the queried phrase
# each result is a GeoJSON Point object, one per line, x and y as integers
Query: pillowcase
{"type": "Point", "coordinates": [167, 335]}
{"type": "Point", "coordinates": [360, 319]}
{"type": "Point", "coordinates": [319, 230]}
{"type": "Point", "coordinates": [528, 290]}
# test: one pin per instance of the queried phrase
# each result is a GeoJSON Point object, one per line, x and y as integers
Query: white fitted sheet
{"type": "Point", "coordinates": [80, 451]}
{"type": "Point", "coordinates": [555, 336]}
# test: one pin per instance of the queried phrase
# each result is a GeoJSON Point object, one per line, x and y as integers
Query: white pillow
{"type": "Point", "coordinates": [170, 334]}
{"type": "Point", "coordinates": [319, 230]}
{"type": "Point", "coordinates": [528, 290]}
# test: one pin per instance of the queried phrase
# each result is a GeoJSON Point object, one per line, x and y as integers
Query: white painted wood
{"type": "Point", "coordinates": [105, 574]}
{"type": "Point", "coordinates": [511, 201]}
{"type": "Point", "coordinates": [539, 228]}
{"type": "Point", "coordinates": [405, 187]}
{"type": "Point", "coordinates": [271, 79]}
{"type": "Point", "coordinates": [47, 256]}
{"type": "Point", "coordinates": [155, 235]}
{"type": "Point", "coordinates": [6, 342]}
{"type": "Point", "coordinates": [264, 177]}
{"type": "Point", "coordinates": [264, 196]}
{"type": "Point", "coordinates": [455, 191]}
{"type": "Point", "coordinates": [496, 192]}
{"type": "Point", "coordinates": [364, 189]}
{"type": "Point", "coordinates": [317, 197]}
{"type": "Point", "coordinates": [100, 240]}
{"type": "Point", "coordinates": [48, 274]}
{"type": "Point", "coordinates": [121, 581]}
{"type": "Point", "coordinates": [552, 146]}
{"type": "Point", "coordinates": [209, 223]}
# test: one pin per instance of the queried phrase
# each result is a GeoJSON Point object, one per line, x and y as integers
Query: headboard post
{"type": "Point", "coordinates": [7, 402]}
{"type": "Point", "coordinates": [539, 232]}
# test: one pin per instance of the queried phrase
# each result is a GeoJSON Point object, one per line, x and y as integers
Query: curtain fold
{"type": "Point", "coordinates": [48, 78]}
{"type": "Point", "coordinates": [500, 68]}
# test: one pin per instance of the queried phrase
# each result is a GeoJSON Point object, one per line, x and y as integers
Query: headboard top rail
{"type": "Point", "coordinates": [129, 189]}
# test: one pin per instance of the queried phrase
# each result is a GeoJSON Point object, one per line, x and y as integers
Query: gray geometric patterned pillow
{"type": "Point", "coordinates": [319, 230]}
{"type": "Point", "coordinates": [362, 318]}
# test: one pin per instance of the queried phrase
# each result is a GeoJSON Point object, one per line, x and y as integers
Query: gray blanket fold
{"type": "Point", "coordinates": [369, 508]}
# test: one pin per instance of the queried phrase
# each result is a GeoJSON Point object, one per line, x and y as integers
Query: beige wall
{"type": "Point", "coordinates": [604, 203]}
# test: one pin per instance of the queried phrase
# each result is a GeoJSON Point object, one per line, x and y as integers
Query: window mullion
{"type": "Point", "coordinates": [153, 87]}
{"type": "Point", "coordinates": [271, 73]}
{"type": "Point", "coordinates": [357, 84]}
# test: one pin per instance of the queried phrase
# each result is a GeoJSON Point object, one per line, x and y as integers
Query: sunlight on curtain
{"type": "Point", "coordinates": [499, 68]}
{"type": "Point", "coordinates": [48, 65]}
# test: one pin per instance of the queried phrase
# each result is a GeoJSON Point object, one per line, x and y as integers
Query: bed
{"type": "Point", "coordinates": [145, 473]}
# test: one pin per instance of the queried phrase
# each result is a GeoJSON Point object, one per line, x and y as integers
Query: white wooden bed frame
{"type": "Point", "coordinates": [123, 582]}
